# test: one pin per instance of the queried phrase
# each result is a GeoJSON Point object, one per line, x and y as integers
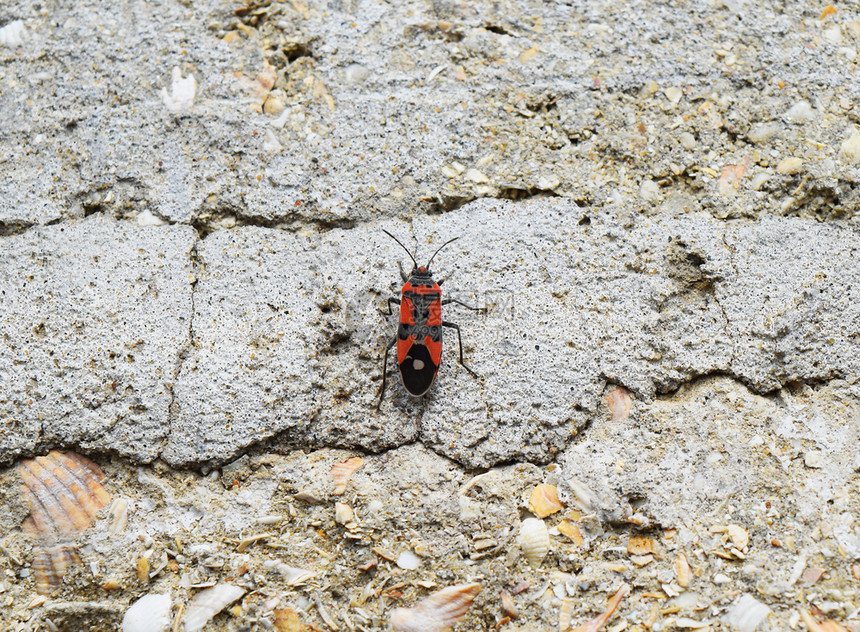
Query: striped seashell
{"type": "Point", "coordinates": [439, 611]}
{"type": "Point", "coordinates": [340, 473]}
{"type": "Point", "coordinates": [50, 564]}
{"type": "Point", "coordinates": [534, 541]}
{"type": "Point", "coordinates": [64, 495]}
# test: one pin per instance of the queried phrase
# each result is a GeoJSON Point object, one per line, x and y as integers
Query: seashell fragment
{"type": "Point", "coordinates": [600, 620]}
{"type": "Point", "coordinates": [287, 620]}
{"type": "Point", "coordinates": [143, 567]}
{"type": "Point", "coordinates": [50, 565]}
{"type": "Point", "coordinates": [534, 541]}
{"type": "Point", "coordinates": [682, 570]}
{"type": "Point", "coordinates": [294, 576]}
{"type": "Point", "coordinates": [746, 614]}
{"type": "Point", "coordinates": [572, 532]}
{"type": "Point", "coordinates": [207, 603]}
{"type": "Point", "coordinates": [13, 34]}
{"type": "Point", "coordinates": [544, 501]}
{"type": "Point", "coordinates": [508, 605]}
{"type": "Point", "coordinates": [619, 403]}
{"type": "Point", "coordinates": [739, 536]}
{"type": "Point", "coordinates": [64, 495]}
{"type": "Point", "coordinates": [150, 613]}
{"type": "Point", "coordinates": [408, 561]}
{"type": "Point", "coordinates": [640, 545]}
{"type": "Point", "coordinates": [582, 495]}
{"type": "Point", "coordinates": [437, 612]}
{"type": "Point", "coordinates": [340, 473]}
{"type": "Point", "coordinates": [118, 516]}
{"type": "Point", "coordinates": [344, 515]}
{"type": "Point", "coordinates": [813, 625]}
{"type": "Point", "coordinates": [182, 91]}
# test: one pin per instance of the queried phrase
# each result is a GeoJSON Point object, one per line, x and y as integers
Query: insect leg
{"type": "Point", "coordinates": [403, 275]}
{"type": "Point", "coordinates": [454, 300]}
{"type": "Point", "coordinates": [445, 323]}
{"type": "Point", "coordinates": [396, 301]}
{"type": "Point", "coordinates": [384, 368]}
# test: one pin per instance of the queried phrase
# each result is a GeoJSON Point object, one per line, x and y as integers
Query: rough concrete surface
{"type": "Point", "coordinates": [656, 205]}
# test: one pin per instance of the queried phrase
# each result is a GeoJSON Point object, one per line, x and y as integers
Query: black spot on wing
{"type": "Point", "coordinates": [418, 380]}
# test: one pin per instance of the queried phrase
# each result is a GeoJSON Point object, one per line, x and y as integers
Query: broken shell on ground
{"type": "Point", "coordinates": [534, 541]}
{"type": "Point", "coordinates": [439, 611]}
{"type": "Point", "coordinates": [619, 403]}
{"type": "Point", "coordinates": [544, 501]}
{"type": "Point", "coordinates": [740, 537]}
{"type": "Point", "coordinates": [340, 473]}
{"type": "Point", "coordinates": [118, 516]}
{"type": "Point", "coordinates": [344, 515]}
{"type": "Point", "coordinates": [508, 605]}
{"type": "Point", "coordinates": [207, 603]}
{"type": "Point", "coordinates": [582, 495]}
{"type": "Point", "coordinates": [50, 565]}
{"type": "Point", "coordinates": [150, 613]}
{"type": "Point", "coordinates": [682, 570]}
{"type": "Point", "coordinates": [640, 545]}
{"type": "Point", "coordinates": [294, 576]}
{"type": "Point", "coordinates": [64, 495]}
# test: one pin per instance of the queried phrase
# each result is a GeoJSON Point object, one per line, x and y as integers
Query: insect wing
{"type": "Point", "coordinates": [419, 341]}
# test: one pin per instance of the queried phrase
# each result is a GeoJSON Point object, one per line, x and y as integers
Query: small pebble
{"type": "Point", "coordinates": [275, 103]}
{"type": "Point", "coordinates": [801, 112]}
{"type": "Point", "coordinates": [833, 35]}
{"type": "Point", "coordinates": [849, 152]}
{"type": "Point", "coordinates": [758, 180]}
{"type": "Point", "coordinates": [789, 166]}
{"type": "Point", "coordinates": [673, 94]}
{"type": "Point", "coordinates": [688, 141]}
{"type": "Point", "coordinates": [649, 190]}
{"type": "Point", "coordinates": [548, 182]}
{"type": "Point", "coordinates": [650, 88]}
{"type": "Point", "coordinates": [763, 132]}
{"type": "Point", "coordinates": [813, 459]}
{"type": "Point", "coordinates": [356, 73]}
{"type": "Point", "coordinates": [476, 176]}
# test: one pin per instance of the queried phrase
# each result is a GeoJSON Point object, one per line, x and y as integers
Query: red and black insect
{"type": "Point", "coordinates": [419, 334]}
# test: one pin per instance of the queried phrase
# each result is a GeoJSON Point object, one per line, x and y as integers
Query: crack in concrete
{"type": "Point", "coordinates": [727, 328]}
{"type": "Point", "coordinates": [182, 353]}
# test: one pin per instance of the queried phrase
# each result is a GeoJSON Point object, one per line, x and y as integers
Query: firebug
{"type": "Point", "coordinates": [419, 332]}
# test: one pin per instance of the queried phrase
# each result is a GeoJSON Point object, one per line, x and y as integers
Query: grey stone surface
{"type": "Point", "coordinates": [95, 316]}
{"type": "Point", "coordinates": [660, 196]}
{"type": "Point", "coordinates": [322, 116]}
{"type": "Point", "coordinates": [287, 330]}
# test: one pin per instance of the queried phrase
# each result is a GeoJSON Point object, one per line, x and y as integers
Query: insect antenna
{"type": "Point", "coordinates": [438, 249]}
{"type": "Point", "coordinates": [402, 246]}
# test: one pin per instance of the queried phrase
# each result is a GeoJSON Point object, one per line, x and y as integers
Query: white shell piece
{"type": "Point", "coordinates": [13, 34]}
{"type": "Point", "coordinates": [182, 91]}
{"type": "Point", "coordinates": [408, 561]}
{"type": "Point", "coordinates": [746, 614]}
{"type": "Point", "coordinates": [439, 611]}
{"type": "Point", "coordinates": [118, 516]}
{"type": "Point", "coordinates": [294, 576]}
{"type": "Point", "coordinates": [150, 613]}
{"type": "Point", "coordinates": [208, 603]}
{"type": "Point", "coordinates": [534, 540]}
